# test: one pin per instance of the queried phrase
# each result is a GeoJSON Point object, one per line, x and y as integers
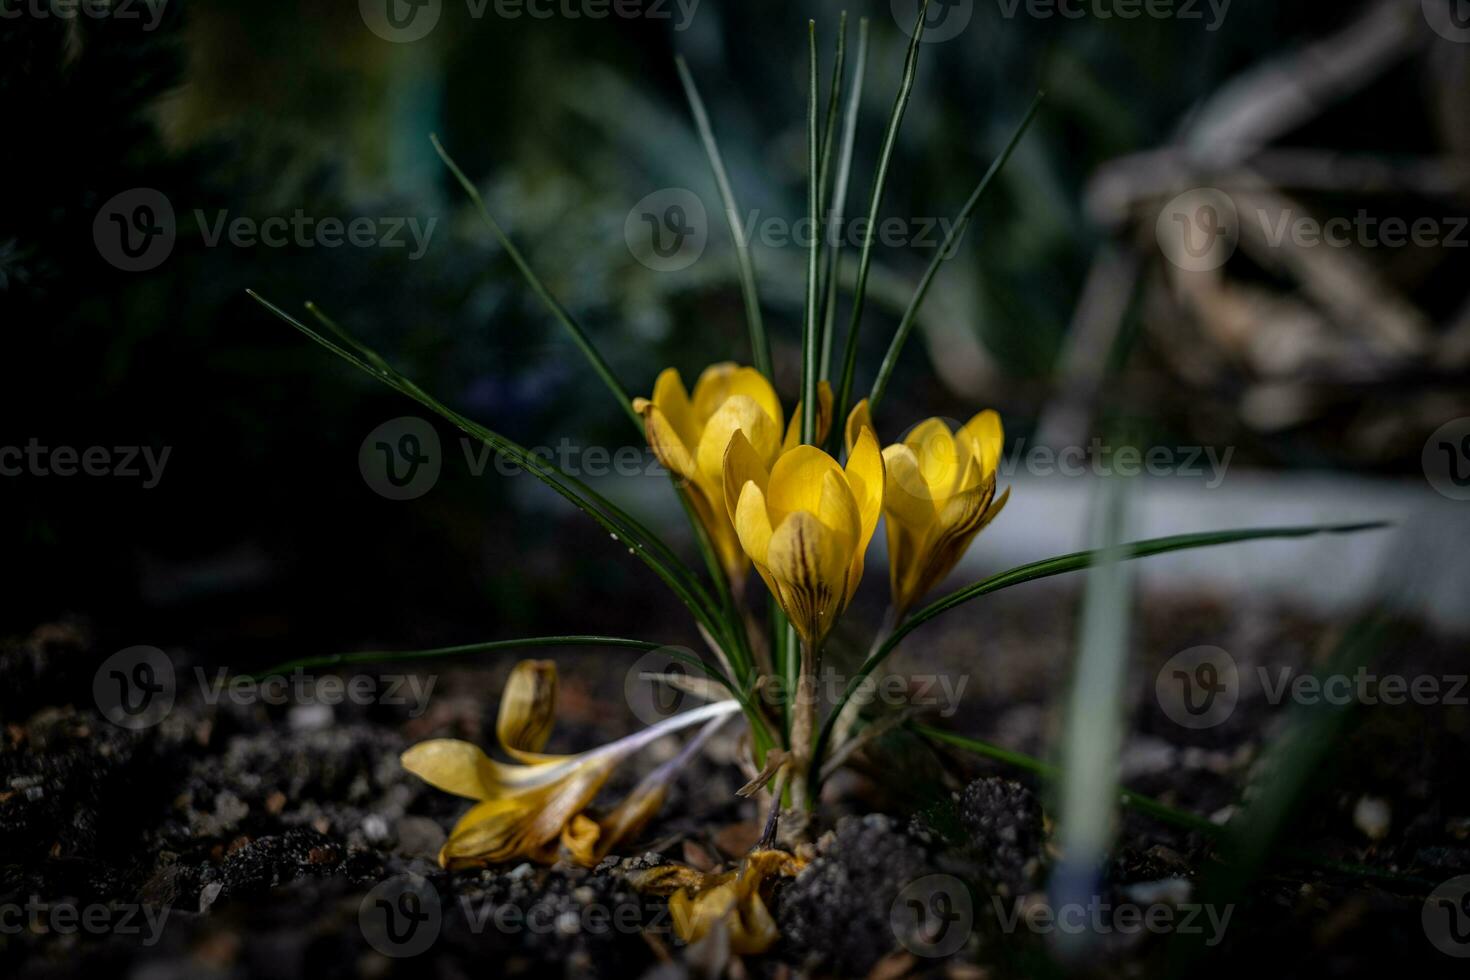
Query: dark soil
{"type": "Point", "coordinates": [240, 841]}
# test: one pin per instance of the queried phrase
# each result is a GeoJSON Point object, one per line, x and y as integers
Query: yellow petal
{"type": "Point", "coordinates": [858, 419]}
{"type": "Point", "coordinates": [581, 840]}
{"type": "Point", "coordinates": [672, 400]}
{"type": "Point", "coordinates": [723, 381]}
{"type": "Point", "coordinates": [527, 707]}
{"type": "Point", "coordinates": [738, 413]}
{"type": "Point", "coordinates": [824, 419]}
{"type": "Point", "coordinates": [664, 440]}
{"type": "Point", "coordinates": [986, 438]}
{"type": "Point", "coordinates": [667, 879]}
{"type": "Point", "coordinates": [753, 524]}
{"type": "Point", "coordinates": [628, 818]}
{"type": "Point", "coordinates": [906, 497]}
{"type": "Point", "coordinates": [865, 477]}
{"type": "Point", "coordinates": [457, 767]}
{"type": "Point", "coordinates": [489, 833]}
{"type": "Point", "coordinates": [934, 448]}
{"type": "Point", "coordinates": [695, 915]}
{"type": "Point", "coordinates": [798, 481]}
{"type": "Point", "coordinates": [742, 465]}
{"type": "Point", "coordinates": [959, 520]}
{"type": "Point", "coordinates": [809, 562]}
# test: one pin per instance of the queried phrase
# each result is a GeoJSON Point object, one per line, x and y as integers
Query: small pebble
{"type": "Point", "coordinates": [1372, 816]}
{"type": "Point", "coordinates": [375, 828]}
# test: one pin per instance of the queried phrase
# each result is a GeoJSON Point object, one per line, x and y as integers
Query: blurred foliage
{"type": "Point", "coordinates": [262, 527]}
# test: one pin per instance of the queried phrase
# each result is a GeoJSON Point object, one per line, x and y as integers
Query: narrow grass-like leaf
{"type": "Point", "coordinates": [1093, 738]}
{"type": "Point", "coordinates": [836, 209]}
{"type": "Point", "coordinates": [444, 653]}
{"type": "Point", "coordinates": [865, 260]}
{"type": "Point", "coordinates": [810, 344]}
{"type": "Point", "coordinates": [760, 349]}
{"type": "Point", "coordinates": [834, 100]}
{"type": "Point", "coordinates": [1059, 565]}
{"type": "Point", "coordinates": [643, 543]}
{"type": "Point", "coordinates": [945, 253]}
{"type": "Point", "coordinates": [578, 335]}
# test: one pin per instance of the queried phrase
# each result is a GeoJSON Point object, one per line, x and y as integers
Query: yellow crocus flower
{"type": "Point", "coordinates": [939, 493]}
{"type": "Point", "coordinates": [698, 902]}
{"type": "Point", "coordinates": [534, 808]}
{"type": "Point", "coordinates": [805, 523]}
{"type": "Point", "coordinates": [689, 435]}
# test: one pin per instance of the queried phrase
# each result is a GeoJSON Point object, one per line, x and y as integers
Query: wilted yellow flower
{"type": "Point", "coordinates": [534, 809]}
{"type": "Point", "coordinates": [689, 437]}
{"type": "Point", "coordinates": [939, 493]}
{"type": "Point", "coordinates": [806, 524]}
{"type": "Point", "coordinates": [699, 902]}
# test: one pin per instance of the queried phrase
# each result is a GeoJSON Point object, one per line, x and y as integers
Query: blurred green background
{"type": "Point", "coordinates": [263, 538]}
